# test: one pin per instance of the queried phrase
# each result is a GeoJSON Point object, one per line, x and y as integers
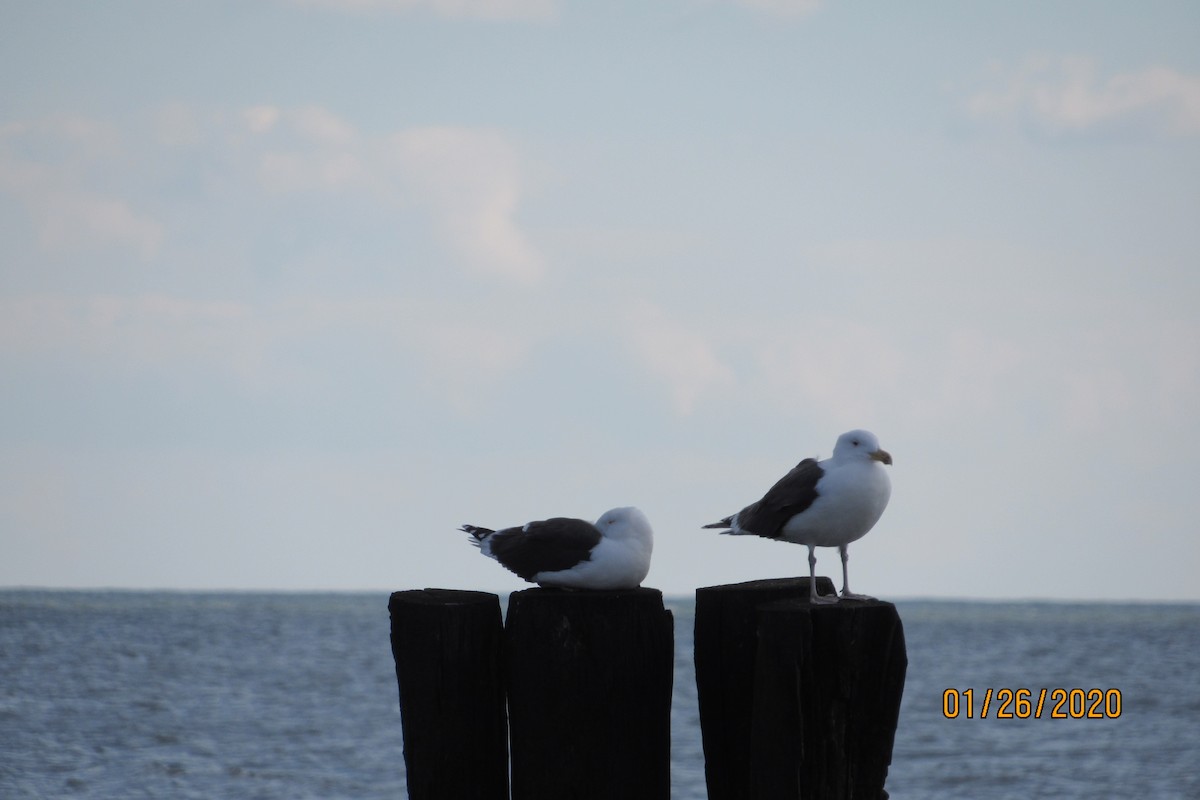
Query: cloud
{"type": "Point", "coordinates": [70, 218]}
{"type": "Point", "coordinates": [471, 181]}
{"type": "Point", "coordinates": [1067, 95]}
{"type": "Point", "coordinates": [454, 9]}
{"type": "Point", "coordinates": [151, 331]}
{"type": "Point", "coordinates": [531, 10]}
{"type": "Point", "coordinates": [843, 369]}
{"type": "Point", "coordinates": [78, 178]}
{"type": "Point", "coordinates": [945, 329]}
{"type": "Point", "coordinates": [675, 354]}
{"type": "Point", "coordinates": [308, 149]}
{"type": "Point", "coordinates": [785, 8]}
{"type": "Point", "coordinates": [261, 119]}
{"type": "Point", "coordinates": [50, 166]}
{"type": "Point", "coordinates": [252, 345]}
{"type": "Point", "coordinates": [1125, 379]}
{"type": "Point", "coordinates": [464, 361]}
{"type": "Point", "coordinates": [460, 360]}
{"type": "Point", "coordinates": [321, 126]}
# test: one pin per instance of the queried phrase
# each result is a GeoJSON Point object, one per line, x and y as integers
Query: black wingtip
{"type": "Point", "coordinates": [725, 523]}
{"type": "Point", "coordinates": [479, 533]}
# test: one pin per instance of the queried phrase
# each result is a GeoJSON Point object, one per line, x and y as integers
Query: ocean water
{"type": "Point", "coordinates": [181, 695]}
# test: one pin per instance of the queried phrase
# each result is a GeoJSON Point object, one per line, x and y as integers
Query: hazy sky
{"type": "Point", "coordinates": [290, 290]}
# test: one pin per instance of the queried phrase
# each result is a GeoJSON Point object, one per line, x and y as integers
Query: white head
{"type": "Point", "coordinates": [860, 444]}
{"type": "Point", "coordinates": [625, 523]}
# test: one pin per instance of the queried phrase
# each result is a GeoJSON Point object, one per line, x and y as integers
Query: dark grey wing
{"type": "Point", "coordinates": [790, 495]}
{"type": "Point", "coordinates": [545, 546]}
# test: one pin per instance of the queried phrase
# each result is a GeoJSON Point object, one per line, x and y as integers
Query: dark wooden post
{"type": "Point", "coordinates": [447, 647]}
{"type": "Point", "coordinates": [828, 682]}
{"type": "Point", "coordinates": [589, 690]}
{"type": "Point", "coordinates": [796, 700]}
{"type": "Point", "coordinates": [726, 639]}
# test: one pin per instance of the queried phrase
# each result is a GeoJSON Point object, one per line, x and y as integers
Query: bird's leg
{"type": "Point", "coordinates": [845, 553]}
{"type": "Point", "coordinates": [813, 597]}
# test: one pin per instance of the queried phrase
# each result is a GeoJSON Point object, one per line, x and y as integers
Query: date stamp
{"type": "Point", "coordinates": [1032, 703]}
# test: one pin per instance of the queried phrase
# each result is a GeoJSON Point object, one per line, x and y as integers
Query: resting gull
{"type": "Point", "coordinates": [826, 503]}
{"type": "Point", "coordinates": [614, 553]}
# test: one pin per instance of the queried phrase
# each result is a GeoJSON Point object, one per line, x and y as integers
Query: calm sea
{"type": "Point", "coordinates": [180, 695]}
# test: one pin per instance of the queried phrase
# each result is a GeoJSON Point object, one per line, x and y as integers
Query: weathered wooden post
{"type": "Point", "coordinates": [726, 638]}
{"type": "Point", "coordinates": [447, 648]}
{"type": "Point", "coordinates": [796, 700]}
{"type": "Point", "coordinates": [589, 677]}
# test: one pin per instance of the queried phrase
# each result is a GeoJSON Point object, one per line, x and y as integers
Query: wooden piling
{"type": "Point", "coordinates": [447, 649]}
{"type": "Point", "coordinates": [589, 677]}
{"type": "Point", "coordinates": [796, 700]}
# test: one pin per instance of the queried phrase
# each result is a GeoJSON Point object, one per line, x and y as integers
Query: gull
{"type": "Point", "coordinates": [828, 503]}
{"type": "Point", "coordinates": [612, 553]}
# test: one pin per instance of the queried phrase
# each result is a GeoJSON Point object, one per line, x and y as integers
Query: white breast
{"type": "Point", "coordinates": [852, 499]}
{"type": "Point", "coordinates": [615, 564]}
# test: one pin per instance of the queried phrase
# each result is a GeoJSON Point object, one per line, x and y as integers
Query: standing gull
{"type": "Point", "coordinates": [828, 503]}
{"type": "Point", "coordinates": [573, 553]}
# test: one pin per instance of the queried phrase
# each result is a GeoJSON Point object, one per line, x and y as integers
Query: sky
{"type": "Point", "coordinates": [291, 289]}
